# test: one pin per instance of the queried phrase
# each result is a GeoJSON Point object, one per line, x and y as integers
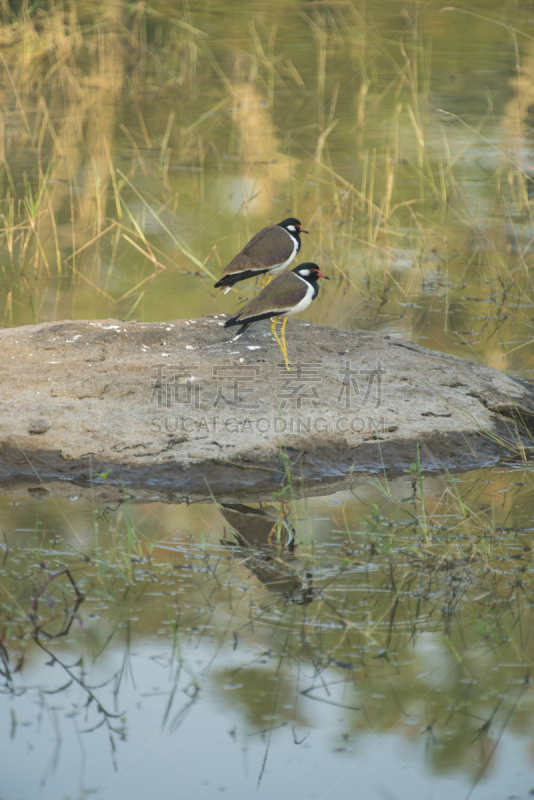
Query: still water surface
{"type": "Point", "coordinates": [208, 659]}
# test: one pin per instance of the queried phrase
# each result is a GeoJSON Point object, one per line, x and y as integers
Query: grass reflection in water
{"type": "Point", "coordinates": [403, 617]}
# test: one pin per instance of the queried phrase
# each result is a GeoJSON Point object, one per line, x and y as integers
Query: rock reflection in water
{"type": "Point", "coordinates": [271, 537]}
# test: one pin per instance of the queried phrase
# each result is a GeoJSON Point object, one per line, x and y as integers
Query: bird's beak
{"type": "Point", "coordinates": [322, 275]}
{"type": "Point", "coordinates": [301, 230]}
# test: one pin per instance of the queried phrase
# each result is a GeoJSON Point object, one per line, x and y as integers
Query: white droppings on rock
{"type": "Point", "coordinates": [189, 347]}
{"type": "Point", "coordinates": [253, 346]}
{"type": "Point", "coordinates": [167, 329]}
{"type": "Point", "coordinates": [234, 353]}
{"type": "Point", "coordinates": [165, 355]}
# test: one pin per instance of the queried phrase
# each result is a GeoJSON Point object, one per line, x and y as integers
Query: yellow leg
{"type": "Point", "coordinates": [281, 344]}
{"type": "Point", "coordinates": [269, 279]}
{"type": "Point", "coordinates": [284, 346]}
{"type": "Point", "coordinates": [262, 280]}
{"type": "Point", "coordinates": [274, 333]}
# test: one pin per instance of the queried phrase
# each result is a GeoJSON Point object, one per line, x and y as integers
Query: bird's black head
{"type": "Point", "coordinates": [310, 272]}
{"type": "Point", "coordinates": [292, 226]}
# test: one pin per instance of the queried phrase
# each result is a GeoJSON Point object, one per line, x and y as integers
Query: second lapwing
{"type": "Point", "coordinates": [288, 294]}
{"type": "Point", "coordinates": [269, 252]}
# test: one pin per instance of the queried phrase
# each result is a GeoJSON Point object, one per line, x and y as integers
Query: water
{"type": "Point", "coordinates": [375, 639]}
{"type": "Point", "coordinates": [198, 660]}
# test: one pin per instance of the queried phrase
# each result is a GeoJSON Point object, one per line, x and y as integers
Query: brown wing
{"type": "Point", "coordinates": [283, 293]}
{"type": "Point", "coordinates": [268, 248]}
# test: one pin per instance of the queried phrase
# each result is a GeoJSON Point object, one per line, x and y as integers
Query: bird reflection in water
{"type": "Point", "coordinates": [271, 537]}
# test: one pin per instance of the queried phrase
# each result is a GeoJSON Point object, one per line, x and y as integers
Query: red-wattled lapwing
{"type": "Point", "coordinates": [269, 251]}
{"type": "Point", "coordinates": [288, 294]}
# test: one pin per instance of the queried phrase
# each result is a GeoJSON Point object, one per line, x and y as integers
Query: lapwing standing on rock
{"type": "Point", "coordinates": [269, 251]}
{"type": "Point", "coordinates": [288, 294]}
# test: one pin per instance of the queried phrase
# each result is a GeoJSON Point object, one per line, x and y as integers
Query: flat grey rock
{"type": "Point", "coordinates": [181, 410]}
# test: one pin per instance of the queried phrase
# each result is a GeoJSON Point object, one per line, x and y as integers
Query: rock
{"type": "Point", "coordinates": [178, 410]}
{"type": "Point", "coordinates": [39, 426]}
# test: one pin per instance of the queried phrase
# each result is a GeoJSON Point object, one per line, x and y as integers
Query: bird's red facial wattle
{"type": "Point", "coordinates": [301, 229]}
{"type": "Point", "coordinates": [321, 275]}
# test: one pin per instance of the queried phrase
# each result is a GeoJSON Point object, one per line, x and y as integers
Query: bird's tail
{"type": "Point", "coordinates": [236, 321]}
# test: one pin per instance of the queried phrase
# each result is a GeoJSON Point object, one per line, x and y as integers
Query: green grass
{"type": "Point", "coordinates": [118, 204]}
